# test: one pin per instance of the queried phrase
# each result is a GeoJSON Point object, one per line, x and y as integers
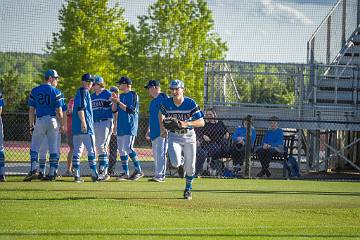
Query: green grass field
{"type": "Point", "coordinates": [220, 209]}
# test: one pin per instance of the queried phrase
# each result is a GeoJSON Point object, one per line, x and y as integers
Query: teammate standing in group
{"type": "Point", "coordinates": [2, 155]}
{"type": "Point", "coordinates": [113, 141]}
{"type": "Point", "coordinates": [83, 128]}
{"type": "Point", "coordinates": [45, 146]}
{"type": "Point", "coordinates": [103, 123]}
{"type": "Point", "coordinates": [190, 116]}
{"type": "Point", "coordinates": [127, 107]}
{"type": "Point", "coordinates": [158, 140]}
{"type": "Point", "coordinates": [45, 103]}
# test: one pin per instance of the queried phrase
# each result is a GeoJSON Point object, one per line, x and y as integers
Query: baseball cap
{"type": "Point", "coordinates": [51, 73]}
{"type": "Point", "coordinates": [176, 84]}
{"type": "Point", "coordinates": [114, 89]}
{"type": "Point", "coordinates": [98, 80]}
{"type": "Point", "coordinates": [87, 77]}
{"type": "Point", "coordinates": [152, 83]}
{"type": "Point", "coordinates": [124, 80]}
{"type": "Point", "coordinates": [274, 118]}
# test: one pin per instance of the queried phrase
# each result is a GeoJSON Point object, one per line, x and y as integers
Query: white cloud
{"type": "Point", "coordinates": [283, 12]}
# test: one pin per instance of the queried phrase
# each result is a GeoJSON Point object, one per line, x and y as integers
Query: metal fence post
{"type": "Point", "coordinates": [248, 144]}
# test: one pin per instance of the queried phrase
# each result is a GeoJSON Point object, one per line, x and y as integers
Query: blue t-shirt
{"type": "Point", "coordinates": [101, 105]}
{"type": "Point", "coordinates": [187, 111]}
{"type": "Point", "coordinates": [45, 99]}
{"type": "Point", "coordinates": [154, 115]}
{"type": "Point", "coordinates": [1, 100]}
{"type": "Point", "coordinates": [241, 132]}
{"type": "Point", "coordinates": [274, 137]}
{"type": "Point", "coordinates": [82, 101]}
{"type": "Point", "coordinates": [127, 122]}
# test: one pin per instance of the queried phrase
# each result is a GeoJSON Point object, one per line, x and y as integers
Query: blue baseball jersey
{"type": "Point", "coordinates": [45, 99]}
{"type": "Point", "coordinates": [82, 101]}
{"type": "Point", "coordinates": [187, 111]}
{"type": "Point", "coordinates": [2, 103]}
{"type": "Point", "coordinates": [127, 122]}
{"type": "Point", "coordinates": [101, 105]}
{"type": "Point", "coordinates": [154, 108]}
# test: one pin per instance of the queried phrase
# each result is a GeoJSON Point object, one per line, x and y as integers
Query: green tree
{"type": "Point", "coordinates": [172, 42]}
{"type": "Point", "coordinates": [90, 33]}
{"type": "Point", "coordinates": [15, 91]}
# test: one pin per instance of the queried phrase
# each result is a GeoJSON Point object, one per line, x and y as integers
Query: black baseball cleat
{"type": "Point", "coordinates": [2, 178]}
{"type": "Point", "coordinates": [181, 171]}
{"type": "Point", "coordinates": [261, 173]}
{"type": "Point", "coordinates": [49, 178]}
{"type": "Point", "coordinates": [78, 179]}
{"type": "Point", "coordinates": [136, 175]}
{"type": "Point", "coordinates": [41, 176]}
{"type": "Point", "coordinates": [187, 195]}
{"type": "Point", "coordinates": [268, 173]}
{"type": "Point", "coordinates": [31, 176]}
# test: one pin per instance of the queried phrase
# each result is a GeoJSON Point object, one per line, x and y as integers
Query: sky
{"type": "Point", "coordinates": [255, 30]}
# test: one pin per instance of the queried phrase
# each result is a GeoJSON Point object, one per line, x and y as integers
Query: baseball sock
{"type": "Point", "coordinates": [92, 165]}
{"type": "Point", "coordinates": [2, 163]}
{"type": "Point", "coordinates": [103, 163]}
{"type": "Point", "coordinates": [189, 181]}
{"type": "Point", "coordinates": [42, 165]}
{"type": "Point", "coordinates": [135, 160]}
{"type": "Point", "coordinates": [53, 163]}
{"type": "Point", "coordinates": [34, 160]}
{"type": "Point", "coordinates": [125, 163]}
{"type": "Point", "coordinates": [76, 166]}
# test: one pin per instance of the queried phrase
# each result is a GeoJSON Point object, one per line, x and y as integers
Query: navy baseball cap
{"type": "Point", "coordinates": [87, 77]}
{"type": "Point", "coordinates": [98, 80]}
{"type": "Point", "coordinates": [124, 80]}
{"type": "Point", "coordinates": [152, 83]}
{"type": "Point", "coordinates": [51, 73]}
{"type": "Point", "coordinates": [176, 84]}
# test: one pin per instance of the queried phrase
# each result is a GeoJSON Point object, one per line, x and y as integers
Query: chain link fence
{"type": "Point", "coordinates": [218, 153]}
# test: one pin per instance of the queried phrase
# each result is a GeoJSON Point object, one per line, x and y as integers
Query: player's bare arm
{"type": "Point", "coordinates": [196, 123]}
{"type": "Point", "coordinates": [163, 131]}
{"type": "Point", "coordinates": [81, 115]}
{"type": "Point", "coordinates": [60, 117]}
{"type": "Point", "coordinates": [31, 119]}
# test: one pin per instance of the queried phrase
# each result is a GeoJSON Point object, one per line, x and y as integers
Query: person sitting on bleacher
{"type": "Point", "coordinates": [272, 144]}
{"type": "Point", "coordinates": [212, 138]}
{"type": "Point", "coordinates": [239, 142]}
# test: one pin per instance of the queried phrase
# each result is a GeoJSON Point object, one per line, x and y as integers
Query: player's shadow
{"type": "Point", "coordinates": [179, 234]}
{"type": "Point", "coordinates": [356, 194]}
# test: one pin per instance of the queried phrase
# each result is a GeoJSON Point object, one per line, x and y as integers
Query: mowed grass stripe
{"type": "Point", "coordinates": [220, 209]}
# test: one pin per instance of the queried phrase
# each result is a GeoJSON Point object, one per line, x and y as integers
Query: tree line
{"type": "Point", "coordinates": [171, 41]}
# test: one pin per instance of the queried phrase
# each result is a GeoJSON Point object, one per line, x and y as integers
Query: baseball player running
{"type": "Point", "coordinates": [103, 123]}
{"type": "Point", "coordinates": [2, 155]}
{"type": "Point", "coordinates": [83, 129]}
{"type": "Point", "coordinates": [45, 147]}
{"type": "Point", "coordinates": [158, 142]}
{"type": "Point", "coordinates": [189, 116]}
{"type": "Point", "coordinates": [45, 101]}
{"type": "Point", "coordinates": [127, 107]}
